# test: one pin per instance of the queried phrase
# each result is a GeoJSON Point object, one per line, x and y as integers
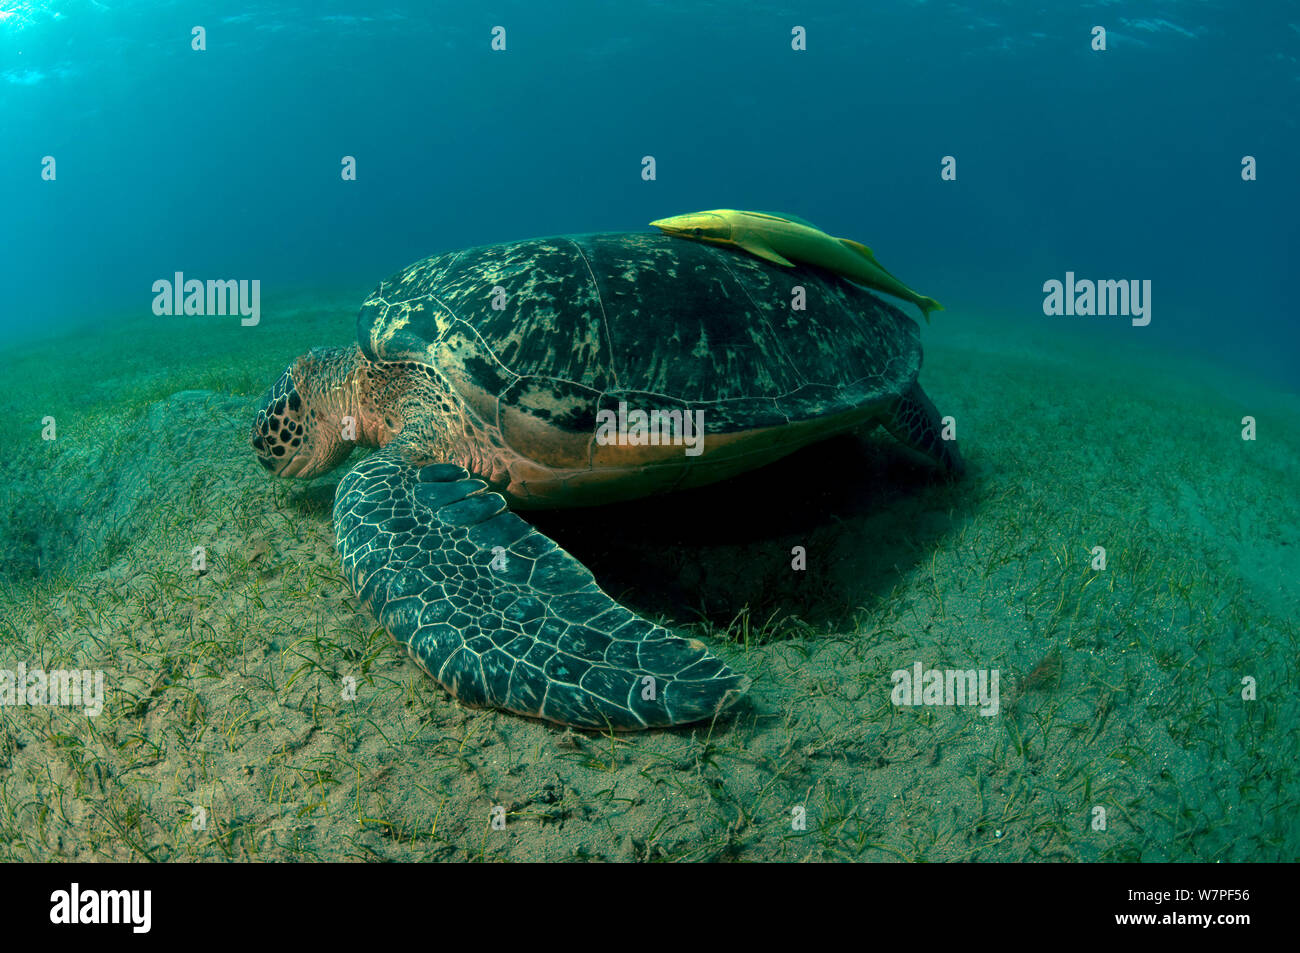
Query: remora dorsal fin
{"type": "Point", "coordinates": [862, 249]}
{"type": "Point", "coordinates": [859, 248]}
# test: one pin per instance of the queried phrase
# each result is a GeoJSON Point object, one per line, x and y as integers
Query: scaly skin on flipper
{"type": "Point", "coordinates": [524, 628]}
{"type": "Point", "coordinates": [914, 420]}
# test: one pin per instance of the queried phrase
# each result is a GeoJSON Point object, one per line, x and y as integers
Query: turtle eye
{"type": "Point", "coordinates": [697, 231]}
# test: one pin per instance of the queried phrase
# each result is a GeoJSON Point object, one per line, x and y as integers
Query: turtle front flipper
{"type": "Point", "coordinates": [501, 616]}
{"type": "Point", "coordinates": [914, 420]}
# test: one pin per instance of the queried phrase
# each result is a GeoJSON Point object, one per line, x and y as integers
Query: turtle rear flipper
{"type": "Point", "coordinates": [500, 615]}
{"type": "Point", "coordinates": [914, 420]}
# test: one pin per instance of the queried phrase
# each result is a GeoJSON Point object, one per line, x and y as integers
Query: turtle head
{"type": "Point", "coordinates": [304, 426]}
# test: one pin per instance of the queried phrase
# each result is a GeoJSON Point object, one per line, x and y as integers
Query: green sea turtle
{"type": "Point", "coordinates": [514, 376]}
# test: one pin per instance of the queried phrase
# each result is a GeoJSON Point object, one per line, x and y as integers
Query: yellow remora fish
{"type": "Point", "coordinates": [785, 240]}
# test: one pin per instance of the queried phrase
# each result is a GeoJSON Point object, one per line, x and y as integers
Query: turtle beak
{"type": "Point", "coordinates": [276, 436]}
{"type": "Point", "coordinates": [262, 449]}
{"type": "Point", "coordinates": [261, 444]}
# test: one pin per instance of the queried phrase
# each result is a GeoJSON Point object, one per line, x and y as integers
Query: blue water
{"type": "Point", "coordinates": [1122, 164]}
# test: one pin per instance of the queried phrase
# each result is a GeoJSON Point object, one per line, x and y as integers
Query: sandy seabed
{"type": "Point", "coordinates": [1122, 731]}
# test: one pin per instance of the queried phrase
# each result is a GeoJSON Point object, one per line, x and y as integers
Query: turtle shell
{"type": "Point", "coordinates": [554, 330]}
